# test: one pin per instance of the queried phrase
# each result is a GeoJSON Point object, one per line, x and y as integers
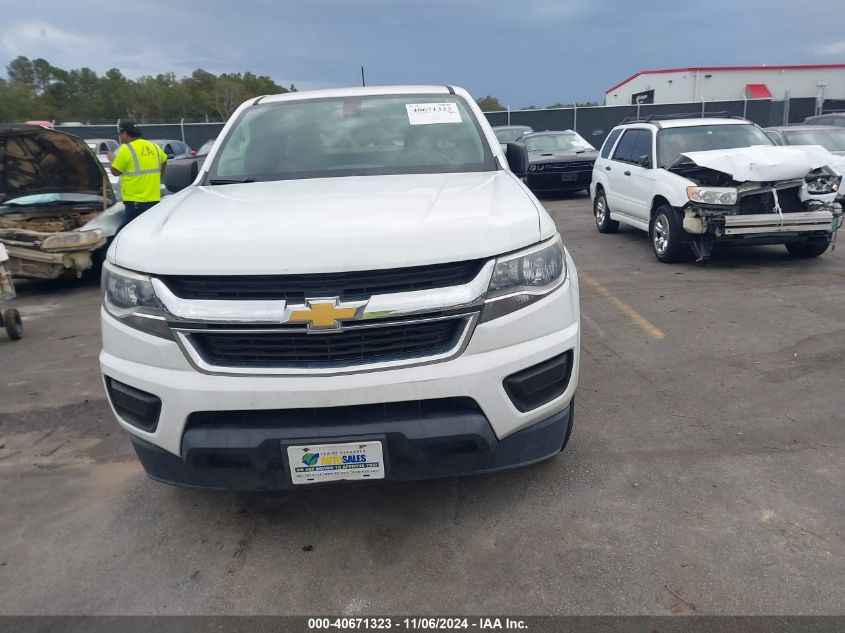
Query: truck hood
{"type": "Point", "coordinates": [762, 163]}
{"type": "Point", "coordinates": [331, 224]}
{"type": "Point", "coordinates": [36, 160]}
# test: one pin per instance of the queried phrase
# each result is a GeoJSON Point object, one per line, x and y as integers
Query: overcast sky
{"type": "Point", "coordinates": [525, 52]}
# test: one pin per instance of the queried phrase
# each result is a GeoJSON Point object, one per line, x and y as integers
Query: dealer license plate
{"type": "Point", "coordinates": [568, 177]}
{"type": "Point", "coordinates": [318, 463]}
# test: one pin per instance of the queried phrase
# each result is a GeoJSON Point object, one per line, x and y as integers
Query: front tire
{"type": "Point", "coordinates": [13, 323]}
{"type": "Point", "coordinates": [807, 249]}
{"type": "Point", "coordinates": [665, 233]}
{"type": "Point", "coordinates": [602, 214]}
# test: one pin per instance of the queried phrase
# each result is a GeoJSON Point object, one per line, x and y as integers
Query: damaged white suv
{"type": "Point", "coordinates": [355, 285]}
{"type": "Point", "coordinates": [693, 183]}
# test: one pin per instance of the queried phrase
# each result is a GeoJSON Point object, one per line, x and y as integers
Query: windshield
{"type": "Point", "coordinates": [831, 140]}
{"type": "Point", "coordinates": [510, 134]}
{"type": "Point", "coordinates": [700, 138]}
{"type": "Point", "coordinates": [556, 143]}
{"type": "Point", "coordinates": [349, 136]}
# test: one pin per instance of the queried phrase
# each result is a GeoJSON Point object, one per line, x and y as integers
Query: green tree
{"type": "Point", "coordinates": [35, 89]}
{"type": "Point", "coordinates": [490, 104]}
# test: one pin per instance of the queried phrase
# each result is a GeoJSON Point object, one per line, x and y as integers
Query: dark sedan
{"type": "Point", "coordinates": [559, 161]}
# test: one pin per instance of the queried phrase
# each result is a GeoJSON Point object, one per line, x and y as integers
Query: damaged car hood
{"type": "Point", "coordinates": [36, 160]}
{"type": "Point", "coordinates": [762, 163]}
{"type": "Point", "coordinates": [331, 224]}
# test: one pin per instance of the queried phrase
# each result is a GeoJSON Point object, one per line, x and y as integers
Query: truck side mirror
{"type": "Point", "coordinates": [181, 173]}
{"type": "Point", "coordinates": [644, 161]}
{"type": "Point", "coordinates": [517, 156]}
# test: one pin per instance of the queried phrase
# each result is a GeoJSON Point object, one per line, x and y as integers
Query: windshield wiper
{"type": "Point", "coordinates": [229, 181]}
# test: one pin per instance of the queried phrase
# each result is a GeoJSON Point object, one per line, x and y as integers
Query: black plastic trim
{"type": "Point", "coordinates": [541, 383]}
{"type": "Point", "coordinates": [230, 455]}
{"type": "Point", "coordinates": [138, 408]}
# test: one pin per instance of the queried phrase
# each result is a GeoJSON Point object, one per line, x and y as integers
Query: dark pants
{"type": "Point", "coordinates": [134, 209]}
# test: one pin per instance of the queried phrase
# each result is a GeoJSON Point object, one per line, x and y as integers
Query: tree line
{"type": "Point", "coordinates": [492, 104]}
{"type": "Point", "coordinates": [37, 90]}
{"type": "Point", "coordinates": [34, 89]}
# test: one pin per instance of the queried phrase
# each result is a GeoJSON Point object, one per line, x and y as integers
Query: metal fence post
{"type": "Point", "coordinates": [575, 118]}
{"type": "Point", "coordinates": [745, 107]}
{"type": "Point", "coordinates": [786, 108]}
{"type": "Point", "coordinates": [182, 128]}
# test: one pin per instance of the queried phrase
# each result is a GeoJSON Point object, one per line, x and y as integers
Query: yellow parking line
{"type": "Point", "coordinates": [652, 330]}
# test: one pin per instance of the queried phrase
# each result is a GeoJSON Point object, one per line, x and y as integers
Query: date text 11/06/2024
{"type": "Point", "coordinates": [430, 624]}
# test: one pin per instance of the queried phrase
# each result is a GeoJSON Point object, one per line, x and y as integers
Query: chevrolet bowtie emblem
{"type": "Point", "coordinates": [326, 314]}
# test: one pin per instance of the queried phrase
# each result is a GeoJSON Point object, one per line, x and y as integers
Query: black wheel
{"type": "Point", "coordinates": [807, 249]}
{"type": "Point", "coordinates": [665, 233]}
{"type": "Point", "coordinates": [603, 222]}
{"type": "Point", "coordinates": [13, 323]}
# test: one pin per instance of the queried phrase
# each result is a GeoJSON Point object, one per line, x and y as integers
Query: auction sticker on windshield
{"type": "Point", "coordinates": [335, 462]}
{"type": "Point", "coordinates": [426, 113]}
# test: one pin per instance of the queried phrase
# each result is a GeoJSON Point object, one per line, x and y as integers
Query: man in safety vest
{"type": "Point", "coordinates": [140, 165]}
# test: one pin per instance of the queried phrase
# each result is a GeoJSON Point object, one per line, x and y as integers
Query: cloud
{"type": "Point", "coordinates": [39, 39]}
{"type": "Point", "coordinates": [833, 48]}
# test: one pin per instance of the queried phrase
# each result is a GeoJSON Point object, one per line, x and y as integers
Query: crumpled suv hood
{"type": "Point", "coordinates": [762, 163]}
{"type": "Point", "coordinates": [35, 160]}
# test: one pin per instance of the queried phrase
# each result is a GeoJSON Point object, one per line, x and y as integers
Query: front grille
{"type": "Point", "coordinates": [574, 166]}
{"type": "Point", "coordinates": [295, 288]}
{"type": "Point", "coordinates": [296, 349]}
{"type": "Point", "coordinates": [764, 202]}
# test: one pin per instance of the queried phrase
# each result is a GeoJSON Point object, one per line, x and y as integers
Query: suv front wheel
{"type": "Point", "coordinates": [665, 233]}
{"type": "Point", "coordinates": [807, 249]}
{"type": "Point", "coordinates": [602, 213]}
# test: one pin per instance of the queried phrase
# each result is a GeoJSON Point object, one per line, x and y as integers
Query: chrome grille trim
{"type": "Point", "coordinates": [262, 312]}
{"type": "Point", "coordinates": [183, 339]}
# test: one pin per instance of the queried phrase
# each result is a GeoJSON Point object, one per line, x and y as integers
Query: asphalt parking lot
{"type": "Point", "coordinates": [704, 474]}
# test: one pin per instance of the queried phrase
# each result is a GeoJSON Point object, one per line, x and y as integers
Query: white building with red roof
{"type": "Point", "coordinates": [723, 83]}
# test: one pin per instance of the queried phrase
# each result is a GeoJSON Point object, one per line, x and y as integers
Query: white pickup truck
{"type": "Point", "coordinates": [693, 183]}
{"type": "Point", "coordinates": [355, 285]}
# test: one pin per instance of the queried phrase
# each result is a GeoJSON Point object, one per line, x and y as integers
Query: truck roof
{"type": "Point", "coordinates": [692, 122]}
{"type": "Point", "coordinates": [360, 91]}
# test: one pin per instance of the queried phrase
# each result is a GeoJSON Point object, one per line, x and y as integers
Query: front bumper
{"type": "Point", "coordinates": [771, 228]}
{"type": "Point", "coordinates": [496, 350]}
{"type": "Point", "coordinates": [32, 263]}
{"type": "Point", "coordinates": [254, 457]}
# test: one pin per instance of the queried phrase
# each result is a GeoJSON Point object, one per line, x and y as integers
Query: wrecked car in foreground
{"type": "Point", "coordinates": [58, 211]}
{"type": "Point", "coordinates": [695, 183]}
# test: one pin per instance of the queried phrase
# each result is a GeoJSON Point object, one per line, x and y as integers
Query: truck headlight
{"type": "Point", "coordinates": [521, 278]}
{"type": "Point", "coordinates": [820, 183]}
{"type": "Point", "coordinates": [130, 298]}
{"type": "Point", "coordinates": [72, 240]}
{"type": "Point", "coordinates": [712, 195]}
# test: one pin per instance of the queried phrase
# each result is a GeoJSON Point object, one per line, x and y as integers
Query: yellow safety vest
{"type": "Point", "coordinates": [139, 164]}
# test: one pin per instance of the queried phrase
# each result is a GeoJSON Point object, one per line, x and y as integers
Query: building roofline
{"type": "Point", "coordinates": [716, 68]}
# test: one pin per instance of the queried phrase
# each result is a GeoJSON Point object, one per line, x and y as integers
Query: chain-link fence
{"type": "Point", "coordinates": [595, 122]}
{"type": "Point", "coordinates": [194, 134]}
{"type": "Point", "coordinates": [592, 122]}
